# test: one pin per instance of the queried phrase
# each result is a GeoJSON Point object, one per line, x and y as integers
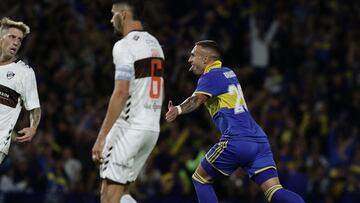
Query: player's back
{"type": "Point", "coordinates": [139, 56]}
{"type": "Point", "coordinates": [227, 106]}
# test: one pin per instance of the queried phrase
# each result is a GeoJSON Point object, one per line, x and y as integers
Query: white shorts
{"type": "Point", "coordinates": [125, 153]}
{"type": "Point", "coordinates": [5, 140]}
{"type": "Point", "coordinates": [2, 157]}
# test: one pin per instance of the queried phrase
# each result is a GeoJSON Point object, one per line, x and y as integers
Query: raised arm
{"type": "Point", "coordinates": [271, 32]}
{"type": "Point", "coordinates": [189, 105]}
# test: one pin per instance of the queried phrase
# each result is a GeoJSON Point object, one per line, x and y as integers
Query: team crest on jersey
{"type": "Point", "coordinates": [136, 37]}
{"type": "Point", "coordinates": [10, 75]}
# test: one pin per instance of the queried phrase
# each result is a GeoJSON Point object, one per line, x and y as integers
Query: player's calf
{"type": "Point", "coordinates": [273, 190]}
{"type": "Point", "coordinates": [277, 194]}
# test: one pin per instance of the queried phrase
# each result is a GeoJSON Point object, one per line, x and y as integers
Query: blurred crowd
{"type": "Point", "coordinates": [298, 63]}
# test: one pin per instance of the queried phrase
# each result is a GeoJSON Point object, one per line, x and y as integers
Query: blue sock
{"type": "Point", "coordinates": [277, 194]}
{"type": "Point", "coordinates": [204, 190]}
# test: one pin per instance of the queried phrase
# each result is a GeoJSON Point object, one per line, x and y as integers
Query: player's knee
{"type": "Point", "coordinates": [110, 192]}
{"type": "Point", "coordinates": [105, 196]}
{"type": "Point", "coordinates": [271, 191]}
{"type": "Point", "coordinates": [200, 179]}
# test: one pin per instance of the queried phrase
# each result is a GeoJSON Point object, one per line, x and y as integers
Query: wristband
{"type": "Point", "coordinates": [178, 107]}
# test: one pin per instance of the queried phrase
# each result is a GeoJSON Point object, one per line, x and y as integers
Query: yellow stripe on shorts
{"type": "Point", "coordinates": [217, 151]}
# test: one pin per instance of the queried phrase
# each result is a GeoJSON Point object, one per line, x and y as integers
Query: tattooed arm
{"type": "Point", "coordinates": [35, 116]}
{"type": "Point", "coordinates": [192, 103]}
{"type": "Point", "coordinates": [28, 133]}
{"type": "Point", "coordinates": [189, 105]}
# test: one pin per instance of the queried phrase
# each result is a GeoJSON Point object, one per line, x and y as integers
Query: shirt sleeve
{"type": "Point", "coordinates": [124, 62]}
{"type": "Point", "coordinates": [208, 85]}
{"type": "Point", "coordinates": [30, 95]}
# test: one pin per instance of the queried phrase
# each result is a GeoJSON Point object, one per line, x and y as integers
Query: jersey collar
{"type": "Point", "coordinates": [215, 64]}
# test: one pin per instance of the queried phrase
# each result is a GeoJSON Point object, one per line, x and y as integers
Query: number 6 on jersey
{"type": "Point", "coordinates": [155, 84]}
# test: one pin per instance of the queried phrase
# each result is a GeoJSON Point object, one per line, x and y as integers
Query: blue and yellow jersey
{"type": "Point", "coordinates": [226, 104]}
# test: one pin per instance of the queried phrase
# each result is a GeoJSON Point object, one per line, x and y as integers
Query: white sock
{"type": "Point", "coordinates": [127, 199]}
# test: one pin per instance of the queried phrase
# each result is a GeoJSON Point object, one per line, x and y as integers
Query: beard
{"type": "Point", "coordinates": [195, 70]}
{"type": "Point", "coordinates": [118, 27]}
{"type": "Point", "coordinates": [118, 32]}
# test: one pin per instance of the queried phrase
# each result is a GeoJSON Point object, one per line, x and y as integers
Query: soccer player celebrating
{"type": "Point", "coordinates": [17, 85]}
{"type": "Point", "coordinates": [132, 123]}
{"type": "Point", "coordinates": [243, 143]}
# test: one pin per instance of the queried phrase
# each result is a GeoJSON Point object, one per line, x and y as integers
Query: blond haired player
{"type": "Point", "coordinates": [17, 86]}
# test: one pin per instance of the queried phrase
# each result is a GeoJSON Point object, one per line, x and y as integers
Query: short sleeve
{"type": "Point", "coordinates": [209, 84]}
{"type": "Point", "coordinates": [30, 95]}
{"type": "Point", "coordinates": [123, 61]}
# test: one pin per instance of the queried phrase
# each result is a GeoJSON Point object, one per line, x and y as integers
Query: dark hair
{"type": "Point", "coordinates": [211, 45]}
{"type": "Point", "coordinates": [136, 6]}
